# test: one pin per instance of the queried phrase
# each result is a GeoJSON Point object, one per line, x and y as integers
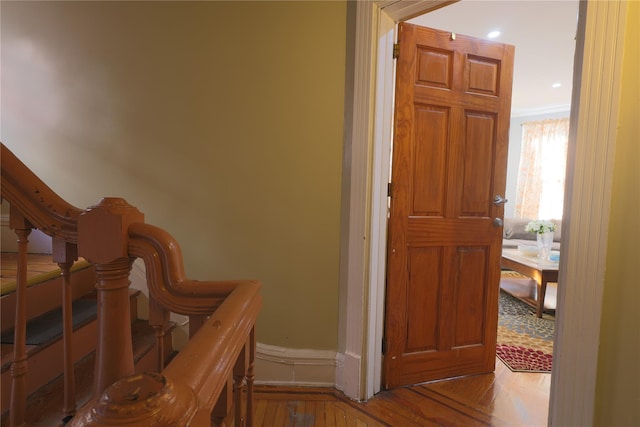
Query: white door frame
{"type": "Point", "coordinates": [587, 200]}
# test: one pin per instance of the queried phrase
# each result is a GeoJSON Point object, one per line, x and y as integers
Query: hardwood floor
{"type": "Point", "coordinates": [503, 398]}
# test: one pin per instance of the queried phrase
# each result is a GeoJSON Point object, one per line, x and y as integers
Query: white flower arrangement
{"type": "Point", "coordinates": [540, 226]}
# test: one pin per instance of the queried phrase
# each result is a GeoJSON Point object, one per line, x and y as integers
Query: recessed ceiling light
{"type": "Point", "coordinates": [493, 34]}
{"type": "Point", "coordinates": [556, 85]}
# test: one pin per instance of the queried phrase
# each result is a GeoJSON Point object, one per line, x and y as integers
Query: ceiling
{"type": "Point", "coordinates": [543, 33]}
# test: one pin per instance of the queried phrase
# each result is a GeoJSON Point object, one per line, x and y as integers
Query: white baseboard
{"type": "Point", "coordinates": [351, 385]}
{"type": "Point", "coordinates": [274, 365]}
{"type": "Point", "coordinates": [296, 367]}
{"type": "Point", "coordinates": [340, 375]}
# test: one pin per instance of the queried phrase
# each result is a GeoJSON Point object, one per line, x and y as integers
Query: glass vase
{"type": "Point", "coordinates": [544, 240]}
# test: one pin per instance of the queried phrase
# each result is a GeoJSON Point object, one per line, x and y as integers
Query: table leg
{"type": "Point", "coordinates": [542, 291]}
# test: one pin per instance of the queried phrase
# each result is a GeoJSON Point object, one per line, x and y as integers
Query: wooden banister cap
{"type": "Point", "coordinates": [103, 230]}
{"type": "Point", "coordinates": [142, 400]}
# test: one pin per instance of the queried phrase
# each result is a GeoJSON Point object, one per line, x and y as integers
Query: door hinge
{"type": "Point", "coordinates": [396, 50]}
{"type": "Point", "coordinates": [384, 346]}
{"type": "Point", "coordinates": [390, 189]}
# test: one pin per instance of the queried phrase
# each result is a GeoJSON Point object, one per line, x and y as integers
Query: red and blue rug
{"type": "Point", "coordinates": [525, 342]}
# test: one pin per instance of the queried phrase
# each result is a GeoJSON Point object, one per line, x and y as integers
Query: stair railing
{"type": "Point", "coordinates": [34, 205]}
{"type": "Point", "coordinates": [171, 290]}
{"type": "Point", "coordinates": [20, 364]}
{"type": "Point", "coordinates": [217, 362]}
{"type": "Point", "coordinates": [65, 254]}
{"type": "Point", "coordinates": [200, 384]}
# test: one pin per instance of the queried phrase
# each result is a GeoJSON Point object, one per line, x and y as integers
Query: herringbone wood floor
{"type": "Point", "coordinates": [503, 398]}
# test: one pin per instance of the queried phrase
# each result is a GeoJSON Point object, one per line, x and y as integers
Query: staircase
{"type": "Point", "coordinates": [44, 339]}
{"type": "Point", "coordinates": [137, 380]}
{"type": "Point", "coordinates": [44, 328]}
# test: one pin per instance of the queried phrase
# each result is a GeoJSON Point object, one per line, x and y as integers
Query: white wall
{"type": "Point", "coordinates": [39, 243]}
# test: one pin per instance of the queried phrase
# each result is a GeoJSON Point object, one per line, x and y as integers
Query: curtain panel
{"type": "Point", "coordinates": [540, 185]}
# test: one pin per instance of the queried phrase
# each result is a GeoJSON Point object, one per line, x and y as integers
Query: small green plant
{"type": "Point", "coordinates": [540, 226]}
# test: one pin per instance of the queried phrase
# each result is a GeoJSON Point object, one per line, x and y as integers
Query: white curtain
{"type": "Point", "coordinates": [540, 185]}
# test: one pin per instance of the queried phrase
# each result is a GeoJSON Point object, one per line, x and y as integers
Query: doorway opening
{"type": "Point", "coordinates": [370, 162]}
{"type": "Point", "coordinates": [530, 99]}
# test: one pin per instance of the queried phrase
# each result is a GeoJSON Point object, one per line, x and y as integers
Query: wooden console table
{"type": "Point", "coordinates": [542, 271]}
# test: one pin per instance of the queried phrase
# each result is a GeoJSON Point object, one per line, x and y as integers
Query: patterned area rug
{"type": "Point", "coordinates": [525, 342]}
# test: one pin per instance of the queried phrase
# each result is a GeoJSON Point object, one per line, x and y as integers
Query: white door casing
{"type": "Point", "coordinates": [596, 91]}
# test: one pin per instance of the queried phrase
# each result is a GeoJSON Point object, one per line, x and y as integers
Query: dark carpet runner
{"type": "Point", "coordinates": [48, 327]}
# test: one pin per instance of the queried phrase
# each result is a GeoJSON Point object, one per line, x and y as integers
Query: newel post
{"type": "Point", "coordinates": [103, 239]}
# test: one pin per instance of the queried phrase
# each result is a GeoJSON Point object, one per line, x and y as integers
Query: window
{"type": "Point", "coordinates": [540, 185]}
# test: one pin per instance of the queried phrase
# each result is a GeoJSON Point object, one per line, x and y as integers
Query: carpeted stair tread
{"type": "Point", "coordinates": [43, 406]}
{"type": "Point", "coordinates": [143, 337]}
{"type": "Point", "coordinates": [48, 327]}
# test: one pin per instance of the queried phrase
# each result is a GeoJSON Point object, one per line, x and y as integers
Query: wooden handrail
{"type": "Point", "coordinates": [197, 364]}
{"type": "Point", "coordinates": [166, 279]}
{"type": "Point", "coordinates": [39, 204]}
{"type": "Point", "coordinates": [217, 359]}
{"type": "Point", "coordinates": [205, 376]}
{"type": "Point", "coordinates": [233, 306]}
{"type": "Point", "coordinates": [34, 205]}
{"type": "Point", "coordinates": [188, 389]}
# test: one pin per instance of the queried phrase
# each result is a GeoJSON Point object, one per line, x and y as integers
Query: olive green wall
{"type": "Point", "coordinates": [618, 381]}
{"type": "Point", "coordinates": [221, 121]}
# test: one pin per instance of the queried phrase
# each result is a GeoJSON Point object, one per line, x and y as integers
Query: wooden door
{"type": "Point", "coordinates": [453, 101]}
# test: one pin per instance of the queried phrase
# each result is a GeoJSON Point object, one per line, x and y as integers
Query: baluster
{"type": "Point", "coordinates": [159, 321]}
{"type": "Point", "coordinates": [195, 323]}
{"type": "Point", "coordinates": [22, 228]}
{"type": "Point", "coordinates": [65, 254]}
{"type": "Point", "coordinates": [222, 406]}
{"type": "Point", "coordinates": [103, 240]}
{"type": "Point", "coordinates": [251, 376]}
{"type": "Point", "coordinates": [114, 350]}
{"type": "Point", "coordinates": [239, 375]}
